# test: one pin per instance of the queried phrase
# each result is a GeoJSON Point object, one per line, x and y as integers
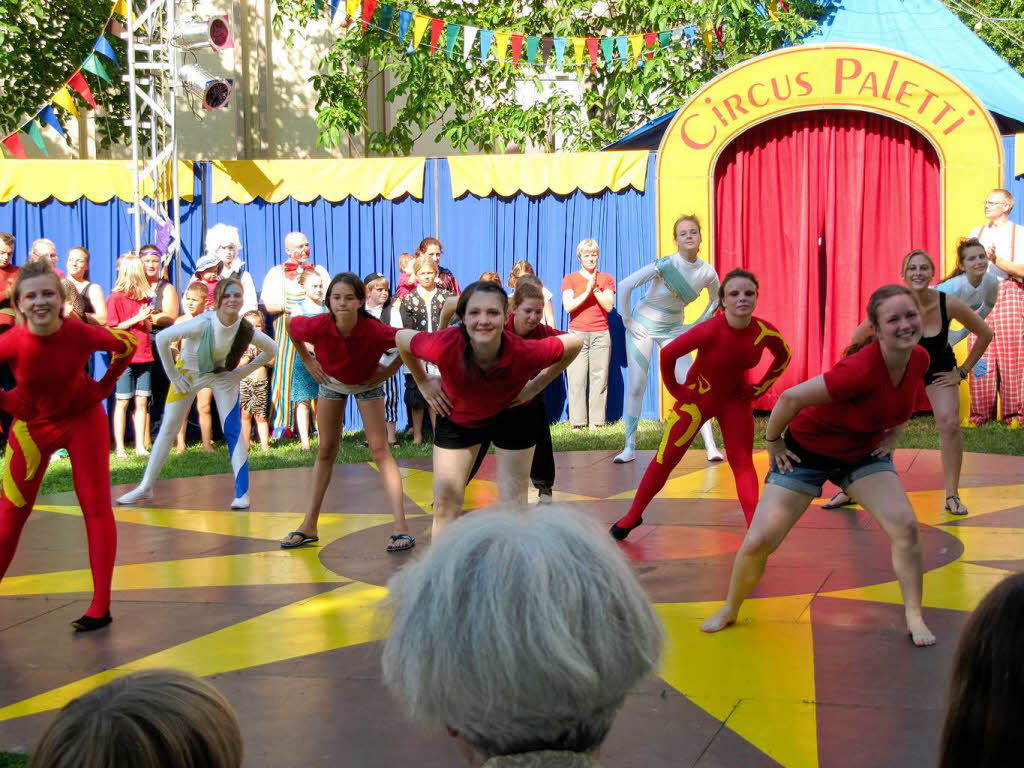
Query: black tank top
{"type": "Point", "coordinates": [936, 345]}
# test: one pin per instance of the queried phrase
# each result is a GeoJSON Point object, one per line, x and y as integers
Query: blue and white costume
{"type": "Point", "coordinates": [675, 282]}
{"type": "Point", "coordinates": [980, 298]}
{"type": "Point", "coordinates": [205, 348]}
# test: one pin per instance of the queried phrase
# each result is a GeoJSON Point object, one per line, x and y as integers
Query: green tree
{"type": "Point", "coordinates": [1005, 36]}
{"type": "Point", "coordinates": [41, 44]}
{"type": "Point", "coordinates": [472, 104]}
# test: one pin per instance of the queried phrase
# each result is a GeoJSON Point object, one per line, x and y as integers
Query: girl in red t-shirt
{"type": "Point", "coordinates": [843, 426]}
{"type": "Point", "coordinates": [728, 345]}
{"type": "Point", "coordinates": [56, 404]}
{"type": "Point", "coordinates": [347, 348]}
{"type": "Point", "coordinates": [485, 373]}
{"type": "Point", "coordinates": [128, 308]}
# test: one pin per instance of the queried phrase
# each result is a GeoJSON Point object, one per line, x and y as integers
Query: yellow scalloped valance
{"type": "Point", "coordinates": [1018, 154]}
{"type": "Point", "coordinates": [507, 175]}
{"type": "Point", "coordinates": [70, 180]}
{"type": "Point", "coordinates": [306, 180]}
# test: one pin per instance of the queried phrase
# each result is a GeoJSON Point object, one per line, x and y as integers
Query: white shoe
{"type": "Point", "coordinates": [242, 502]}
{"type": "Point", "coordinates": [139, 494]}
{"type": "Point", "coordinates": [715, 455]}
{"type": "Point", "coordinates": [544, 497]}
{"type": "Point", "coordinates": [627, 455]}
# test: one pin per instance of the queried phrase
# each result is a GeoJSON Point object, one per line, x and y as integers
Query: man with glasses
{"type": "Point", "coordinates": [281, 288]}
{"type": "Point", "coordinates": [1004, 359]}
{"type": "Point", "coordinates": [44, 249]}
{"type": "Point", "coordinates": [166, 309]}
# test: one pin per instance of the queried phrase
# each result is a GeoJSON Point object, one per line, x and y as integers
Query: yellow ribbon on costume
{"type": "Point", "coordinates": [21, 437]}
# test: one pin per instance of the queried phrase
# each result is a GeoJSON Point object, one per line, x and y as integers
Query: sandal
{"type": "Point", "coordinates": [304, 539]}
{"type": "Point", "coordinates": [841, 499]}
{"type": "Point", "coordinates": [957, 507]}
{"type": "Point", "coordinates": [400, 542]}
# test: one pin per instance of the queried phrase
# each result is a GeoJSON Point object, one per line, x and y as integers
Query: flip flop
{"type": "Point", "coordinates": [304, 539]}
{"type": "Point", "coordinates": [407, 542]}
{"type": "Point", "coordinates": [957, 508]}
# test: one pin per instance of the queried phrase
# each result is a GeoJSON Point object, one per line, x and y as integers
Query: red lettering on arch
{"type": "Point", "coordinates": [841, 69]}
{"type": "Point", "coordinates": [690, 142]}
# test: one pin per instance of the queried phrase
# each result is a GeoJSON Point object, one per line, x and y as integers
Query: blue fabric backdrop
{"type": "Point", "coordinates": [479, 234]}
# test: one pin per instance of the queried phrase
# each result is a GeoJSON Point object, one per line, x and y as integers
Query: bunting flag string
{"type": "Point", "coordinates": [630, 50]}
{"type": "Point", "coordinates": [76, 82]}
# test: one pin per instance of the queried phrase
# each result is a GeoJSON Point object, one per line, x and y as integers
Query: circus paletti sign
{"type": "Point", "coordinates": [803, 78]}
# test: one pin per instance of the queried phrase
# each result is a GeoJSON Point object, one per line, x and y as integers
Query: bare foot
{"type": "Point", "coordinates": [305, 447]}
{"type": "Point", "coordinates": [141, 452]}
{"type": "Point", "coordinates": [121, 454]}
{"type": "Point", "coordinates": [722, 619]}
{"type": "Point", "coordinates": [920, 635]}
{"type": "Point", "coordinates": [179, 449]}
{"type": "Point", "coordinates": [208, 449]}
{"type": "Point", "coordinates": [417, 441]}
{"type": "Point", "coordinates": [264, 446]}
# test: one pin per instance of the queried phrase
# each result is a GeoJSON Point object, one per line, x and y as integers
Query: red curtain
{"type": "Point", "coordinates": [822, 206]}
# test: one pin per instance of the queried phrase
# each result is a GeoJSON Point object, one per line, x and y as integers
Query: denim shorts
{"type": "Point", "coordinates": [136, 380]}
{"type": "Point", "coordinates": [376, 393]}
{"type": "Point", "coordinates": [810, 475]}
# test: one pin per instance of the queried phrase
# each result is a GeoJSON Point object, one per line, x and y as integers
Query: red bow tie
{"type": "Point", "coordinates": [293, 268]}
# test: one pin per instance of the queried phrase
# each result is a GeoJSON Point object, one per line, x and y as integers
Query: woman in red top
{"type": "Point", "coordinates": [128, 308]}
{"type": "Point", "coordinates": [484, 371]}
{"type": "Point", "coordinates": [843, 426]}
{"type": "Point", "coordinates": [347, 347]}
{"type": "Point", "coordinates": [728, 345]}
{"type": "Point", "coordinates": [57, 405]}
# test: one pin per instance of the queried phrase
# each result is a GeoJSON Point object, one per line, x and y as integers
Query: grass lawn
{"type": "Point", "coordinates": [921, 433]}
{"type": "Point", "coordinates": [9, 760]}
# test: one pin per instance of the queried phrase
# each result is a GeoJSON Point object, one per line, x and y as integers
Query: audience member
{"type": "Point", "coordinates": [152, 719]}
{"type": "Point", "coordinates": [490, 276]}
{"type": "Point", "coordinates": [128, 308]}
{"type": "Point", "coordinates": [406, 278]}
{"type": "Point", "coordinates": [280, 285]}
{"type": "Point", "coordinates": [207, 274]}
{"type": "Point", "coordinates": [195, 300]}
{"type": "Point", "coordinates": [8, 274]}
{"type": "Point", "coordinates": [94, 303]}
{"type": "Point", "coordinates": [520, 635]}
{"type": "Point", "coordinates": [223, 242]}
{"type": "Point", "coordinates": [304, 387]}
{"type": "Point", "coordinates": [431, 246]}
{"type": "Point", "coordinates": [521, 268]}
{"type": "Point", "coordinates": [986, 694]}
{"type": "Point", "coordinates": [166, 309]}
{"type": "Point", "coordinates": [46, 250]}
{"type": "Point", "coordinates": [254, 391]}
{"type": "Point", "coordinates": [377, 305]}
{"type": "Point", "coordinates": [588, 296]}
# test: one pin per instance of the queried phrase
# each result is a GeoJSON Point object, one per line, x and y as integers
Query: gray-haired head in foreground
{"type": "Point", "coordinates": [522, 632]}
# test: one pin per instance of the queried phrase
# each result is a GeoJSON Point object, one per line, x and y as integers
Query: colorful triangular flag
{"type": "Point", "coordinates": [104, 48]}
{"type": "Point", "coordinates": [436, 27]}
{"type": "Point", "coordinates": [547, 45]}
{"type": "Point", "coordinates": [650, 40]}
{"type": "Point", "coordinates": [607, 49]}
{"type": "Point", "coordinates": [622, 43]}
{"type": "Point", "coordinates": [92, 64]}
{"type": "Point", "coordinates": [387, 13]}
{"type": "Point", "coordinates": [517, 49]}
{"type": "Point", "coordinates": [419, 27]}
{"type": "Point", "coordinates": [578, 48]}
{"type": "Point", "coordinates": [500, 46]}
{"type": "Point", "coordinates": [36, 134]}
{"type": "Point", "coordinates": [50, 118]}
{"type": "Point", "coordinates": [77, 81]}
{"type": "Point", "coordinates": [352, 8]}
{"type": "Point", "coordinates": [451, 35]}
{"type": "Point", "coordinates": [334, 8]}
{"type": "Point", "coordinates": [62, 98]}
{"type": "Point", "coordinates": [532, 48]}
{"type": "Point", "coordinates": [636, 44]}
{"type": "Point", "coordinates": [468, 37]}
{"type": "Point", "coordinates": [559, 51]}
{"type": "Point", "coordinates": [708, 35]}
{"type": "Point", "coordinates": [121, 9]}
{"type": "Point", "coordinates": [592, 51]}
{"type": "Point", "coordinates": [404, 20]}
{"type": "Point", "coordinates": [369, 6]}
{"type": "Point", "coordinates": [486, 38]}
{"type": "Point", "coordinates": [14, 146]}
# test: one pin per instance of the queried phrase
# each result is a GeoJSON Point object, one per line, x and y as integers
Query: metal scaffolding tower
{"type": "Point", "coordinates": [153, 64]}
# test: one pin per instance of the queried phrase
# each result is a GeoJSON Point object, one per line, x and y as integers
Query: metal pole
{"type": "Point", "coordinates": [133, 117]}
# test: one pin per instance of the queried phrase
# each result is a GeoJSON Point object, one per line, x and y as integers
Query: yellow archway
{"type": "Point", "coordinates": [804, 78]}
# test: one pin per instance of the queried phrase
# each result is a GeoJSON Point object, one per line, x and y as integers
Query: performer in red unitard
{"type": "Point", "coordinates": [57, 405]}
{"type": "Point", "coordinates": [728, 345]}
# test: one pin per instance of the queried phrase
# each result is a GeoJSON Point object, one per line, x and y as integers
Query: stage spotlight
{"type": "Point", "coordinates": [214, 92]}
{"type": "Point", "coordinates": [213, 33]}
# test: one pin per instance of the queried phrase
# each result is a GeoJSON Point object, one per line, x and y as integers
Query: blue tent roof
{"type": "Point", "coordinates": [922, 28]}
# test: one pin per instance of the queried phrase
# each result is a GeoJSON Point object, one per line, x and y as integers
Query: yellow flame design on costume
{"type": "Point", "coordinates": [689, 409]}
{"type": "Point", "coordinates": [702, 385]}
{"type": "Point", "coordinates": [30, 451]}
{"type": "Point", "coordinates": [767, 332]}
{"type": "Point", "coordinates": [128, 339]}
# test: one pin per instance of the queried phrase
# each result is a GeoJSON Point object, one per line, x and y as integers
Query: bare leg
{"type": "Point", "coordinates": [392, 432]}
{"type": "Point", "coordinates": [141, 424]}
{"type": "Point", "coordinates": [120, 417]}
{"type": "Point", "coordinates": [204, 399]}
{"type": "Point", "coordinates": [946, 407]}
{"type": "Point", "coordinates": [264, 431]}
{"type": "Point", "coordinates": [776, 514]}
{"type": "Point", "coordinates": [513, 476]}
{"type": "Point", "coordinates": [302, 420]}
{"type": "Point", "coordinates": [247, 428]}
{"type": "Point", "coordinates": [329, 414]}
{"type": "Point", "coordinates": [451, 468]}
{"type": "Point", "coordinates": [882, 495]}
{"type": "Point", "coordinates": [372, 412]}
{"type": "Point", "coordinates": [417, 425]}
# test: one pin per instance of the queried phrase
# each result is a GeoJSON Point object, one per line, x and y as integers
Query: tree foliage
{"type": "Point", "coordinates": [470, 104]}
{"type": "Point", "coordinates": [41, 44]}
{"type": "Point", "coordinates": [1012, 50]}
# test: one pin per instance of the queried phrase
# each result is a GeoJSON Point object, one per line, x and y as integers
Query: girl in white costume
{"type": "Point", "coordinates": [676, 281]}
{"type": "Point", "coordinates": [212, 344]}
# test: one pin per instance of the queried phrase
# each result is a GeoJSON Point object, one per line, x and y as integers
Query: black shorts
{"type": "Point", "coordinates": [413, 397]}
{"type": "Point", "coordinates": [944, 362]}
{"type": "Point", "coordinates": [514, 429]}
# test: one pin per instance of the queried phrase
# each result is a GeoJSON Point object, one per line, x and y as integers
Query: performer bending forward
{"type": "Point", "coordinates": [348, 344]}
{"type": "Point", "coordinates": [57, 405]}
{"type": "Point", "coordinates": [676, 281]}
{"type": "Point", "coordinates": [843, 427]}
{"type": "Point", "coordinates": [212, 345]}
{"type": "Point", "coordinates": [727, 346]}
{"type": "Point", "coordinates": [485, 370]}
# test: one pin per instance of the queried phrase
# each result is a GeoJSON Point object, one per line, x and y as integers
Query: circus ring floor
{"type": "Point", "coordinates": [819, 671]}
